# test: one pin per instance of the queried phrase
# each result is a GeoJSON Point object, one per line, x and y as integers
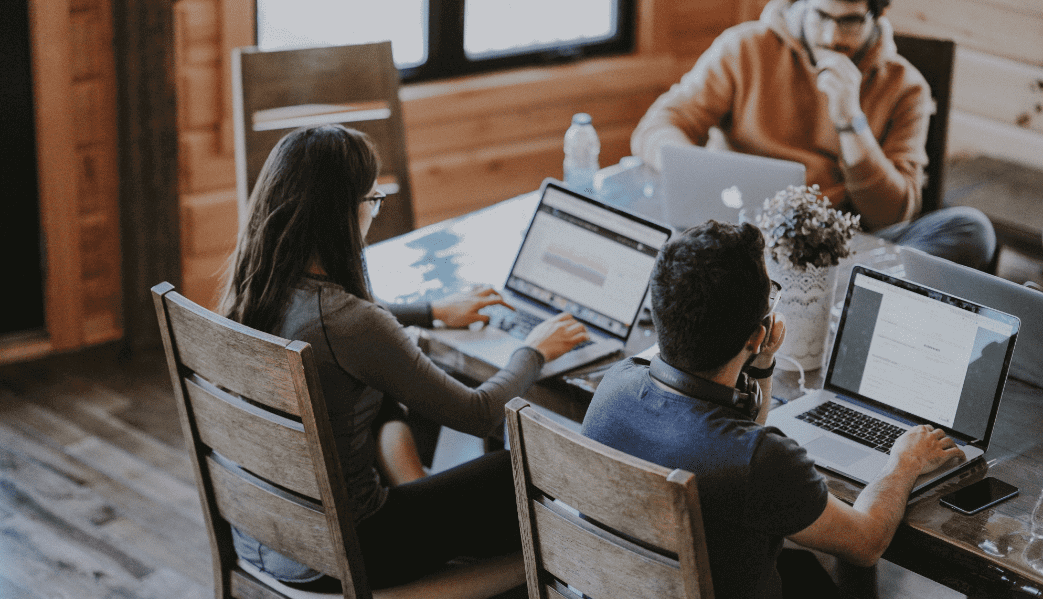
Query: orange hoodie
{"type": "Point", "coordinates": [756, 84]}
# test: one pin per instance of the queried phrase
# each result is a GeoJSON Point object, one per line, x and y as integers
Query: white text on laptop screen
{"type": "Point", "coordinates": [586, 260]}
{"type": "Point", "coordinates": [923, 356]}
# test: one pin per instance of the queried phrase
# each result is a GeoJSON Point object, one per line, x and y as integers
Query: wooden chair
{"type": "Point", "coordinates": [641, 529]}
{"type": "Point", "coordinates": [934, 59]}
{"type": "Point", "coordinates": [254, 420]}
{"type": "Point", "coordinates": [277, 91]}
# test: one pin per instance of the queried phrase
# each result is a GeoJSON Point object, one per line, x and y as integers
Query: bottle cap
{"type": "Point", "coordinates": [581, 118]}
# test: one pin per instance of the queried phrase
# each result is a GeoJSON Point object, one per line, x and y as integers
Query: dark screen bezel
{"type": "Point", "coordinates": [881, 407]}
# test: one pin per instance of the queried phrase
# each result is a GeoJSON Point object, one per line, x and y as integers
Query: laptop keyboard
{"type": "Point", "coordinates": [853, 425]}
{"type": "Point", "coordinates": [517, 322]}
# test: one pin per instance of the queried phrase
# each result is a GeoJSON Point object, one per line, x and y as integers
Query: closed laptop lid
{"type": "Point", "coordinates": [988, 290]}
{"type": "Point", "coordinates": [704, 184]}
{"type": "Point", "coordinates": [922, 355]}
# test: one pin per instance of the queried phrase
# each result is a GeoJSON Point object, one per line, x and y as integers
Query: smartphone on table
{"type": "Point", "coordinates": [975, 497]}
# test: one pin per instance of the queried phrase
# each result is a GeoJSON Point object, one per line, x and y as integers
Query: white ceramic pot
{"type": "Point", "coordinates": [807, 295]}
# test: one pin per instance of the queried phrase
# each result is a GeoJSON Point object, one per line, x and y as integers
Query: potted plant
{"type": "Point", "coordinates": [805, 238]}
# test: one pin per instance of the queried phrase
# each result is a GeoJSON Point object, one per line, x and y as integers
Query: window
{"type": "Point", "coordinates": [434, 39]}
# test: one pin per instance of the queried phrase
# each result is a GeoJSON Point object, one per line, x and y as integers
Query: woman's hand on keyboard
{"type": "Point", "coordinates": [556, 336]}
{"type": "Point", "coordinates": [461, 309]}
{"type": "Point", "coordinates": [927, 447]}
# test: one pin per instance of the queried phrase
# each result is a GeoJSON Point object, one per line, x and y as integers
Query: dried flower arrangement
{"type": "Point", "coordinates": [802, 229]}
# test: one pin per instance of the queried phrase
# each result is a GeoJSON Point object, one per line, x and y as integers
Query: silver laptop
{"type": "Point", "coordinates": [983, 288]}
{"type": "Point", "coordinates": [702, 184]}
{"type": "Point", "coordinates": [904, 355]}
{"type": "Point", "coordinates": [580, 256]}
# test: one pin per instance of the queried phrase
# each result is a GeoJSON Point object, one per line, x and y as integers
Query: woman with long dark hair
{"type": "Point", "coordinates": [299, 272]}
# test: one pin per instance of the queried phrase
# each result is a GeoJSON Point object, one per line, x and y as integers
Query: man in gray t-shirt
{"type": "Point", "coordinates": [700, 405]}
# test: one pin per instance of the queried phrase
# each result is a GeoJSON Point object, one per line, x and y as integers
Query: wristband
{"type": "Point", "coordinates": [856, 126]}
{"type": "Point", "coordinates": [760, 373]}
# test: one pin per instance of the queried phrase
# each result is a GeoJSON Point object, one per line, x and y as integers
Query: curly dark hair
{"type": "Point", "coordinates": [709, 292]}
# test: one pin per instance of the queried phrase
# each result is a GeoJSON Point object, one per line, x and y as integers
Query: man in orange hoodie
{"type": "Point", "coordinates": [820, 82]}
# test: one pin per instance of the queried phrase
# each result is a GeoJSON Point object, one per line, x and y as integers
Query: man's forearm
{"type": "Point", "coordinates": [884, 501]}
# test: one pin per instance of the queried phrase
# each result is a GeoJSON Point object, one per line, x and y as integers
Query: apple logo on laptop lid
{"type": "Point", "coordinates": [732, 197]}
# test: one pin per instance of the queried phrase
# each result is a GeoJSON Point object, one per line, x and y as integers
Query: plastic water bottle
{"type": "Point", "coordinates": [581, 154]}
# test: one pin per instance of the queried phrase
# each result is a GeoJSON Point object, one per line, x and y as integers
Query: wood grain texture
{"type": "Point", "coordinates": [266, 80]}
{"type": "Point", "coordinates": [622, 570]}
{"type": "Point", "coordinates": [146, 100]}
{"type": "Point", "coordinates": [254, 369]}
{"type": "Point", "coordinates": [1000, 89]}
{"type": "Point", "coordinates": [642, 508]}
{"type": "Point", "coordinates": [1009, 28]}
{"type": "Point", "coordinates": [600, 521]}
{"type": "Point", "coordinates": [290, 527]}
{"type": "Point", "coordinates": [51, 39]}
{"type": "Point", "coordinates": [974, 135]}
{"type": "Point", "coordinates": [272, 447]}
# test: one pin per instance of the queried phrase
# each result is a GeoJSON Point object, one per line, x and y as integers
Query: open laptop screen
{"type": "Point", "coordinates": [926, 353]}
{"type": "Point", "coordinates": [581, 257]}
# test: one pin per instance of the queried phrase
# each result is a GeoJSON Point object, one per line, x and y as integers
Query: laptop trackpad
{"type": "Point", "coordinates": [835, 451]}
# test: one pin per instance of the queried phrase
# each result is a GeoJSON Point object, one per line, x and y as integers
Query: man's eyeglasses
{"type": "Point", "coordinates": [774, 295]}
{"type": "Point", "coordinates": [850, 23]}
{"type": "Point", "coordinates": [377, 198]}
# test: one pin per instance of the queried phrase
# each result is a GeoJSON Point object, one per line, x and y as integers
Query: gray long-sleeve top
{"type": "Point", "coordinates": [364, 354]}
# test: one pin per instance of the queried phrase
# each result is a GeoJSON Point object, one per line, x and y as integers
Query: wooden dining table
{"type": "Point", "coordinates": [995, 553]}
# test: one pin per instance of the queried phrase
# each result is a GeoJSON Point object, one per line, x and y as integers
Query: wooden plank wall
{"type": "Point", "coordinates": [997, 101]}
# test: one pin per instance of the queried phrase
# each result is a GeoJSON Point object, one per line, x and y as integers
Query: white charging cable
{"type": "Point", "coordinates": [800, 369]}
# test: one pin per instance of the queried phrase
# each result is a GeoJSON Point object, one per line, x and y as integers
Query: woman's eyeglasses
{"type": "Point", "coordinates": [774, 295]}
{"type": "Point", "coordinates": [377, 198]}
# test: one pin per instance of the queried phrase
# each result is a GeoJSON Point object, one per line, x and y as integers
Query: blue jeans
{"type": "Point", "coordinates": [269, 561]}
{"type": "Point", "coordinates": [960, 234]}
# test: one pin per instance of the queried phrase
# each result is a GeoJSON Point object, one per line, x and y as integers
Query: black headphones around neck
{"type": "Point", "coordinates": [745, 397]}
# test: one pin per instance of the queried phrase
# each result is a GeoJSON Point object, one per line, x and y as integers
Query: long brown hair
{"type": "Point", "coordinates": [304, 207]}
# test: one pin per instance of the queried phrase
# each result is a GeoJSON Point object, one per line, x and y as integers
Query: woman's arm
{"type": "Point", "coordinates": [373, 347]}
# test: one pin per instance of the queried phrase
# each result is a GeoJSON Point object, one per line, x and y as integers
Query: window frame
{"type": "Point", "coordinates": [445, 45]}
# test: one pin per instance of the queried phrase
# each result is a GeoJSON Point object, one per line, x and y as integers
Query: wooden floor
{"type": "Point", "coordinates": [97, 498]}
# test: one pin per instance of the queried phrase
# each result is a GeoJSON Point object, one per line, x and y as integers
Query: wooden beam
{"type": "Point", "coordinates": [144, 38]}
{"type": "Point", "coordinates": [50, 35]}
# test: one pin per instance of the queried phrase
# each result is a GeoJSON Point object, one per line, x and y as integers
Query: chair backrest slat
{"type": "Point", "coordinates": [565, 542]}
{"type": "Point", "coordinates": [287, 524]}
{"type": "Point", "coordinates": [246, 362]}
{"type": "Point", "coordinates": [270, 446]}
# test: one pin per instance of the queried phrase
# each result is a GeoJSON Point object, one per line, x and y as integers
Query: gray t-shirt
{"type": "Point", "coordinates": [756, 486]}
{"type": "Point", "coordinates": [364, 353]}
